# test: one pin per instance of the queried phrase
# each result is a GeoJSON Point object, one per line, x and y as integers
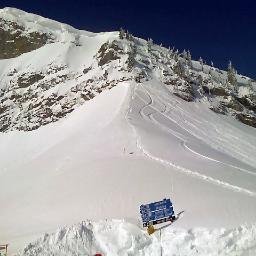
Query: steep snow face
{"type": "Point", "coordinates": [119, 238]}
{"type": "Point", "coordinates": [54, 171]}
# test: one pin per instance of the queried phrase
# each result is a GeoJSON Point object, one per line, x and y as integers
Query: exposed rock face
{"type": "Point", "coordinates": [235, 105]}
{"type": "Point", "coordinates": [185, 91]}
{"type": "Point", "coordinates": [108, 52]}
{"type": "Point", "coordinates": [247, 119]}
{"type": "Point", "coordinates": [220, 109]}
{"type": "Point", "coordinates": [34, 94]}
{"type": "Point", "coordinates": [242, 109]}
{"type": "Point", "coordinates": [37, 95]}
{"type": "Point", "coordinates": [219, 91]}
{"type": "Point", "coordinates": [14, 40]}
{"type": "Point", "coordinates": [249, 101]}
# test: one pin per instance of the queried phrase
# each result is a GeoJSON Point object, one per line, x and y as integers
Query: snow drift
{"type": "Point", "coordinates": [119, 238]}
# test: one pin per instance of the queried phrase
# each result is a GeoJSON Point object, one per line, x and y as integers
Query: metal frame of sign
{"type": "Point", "coordinates": [157, 212]}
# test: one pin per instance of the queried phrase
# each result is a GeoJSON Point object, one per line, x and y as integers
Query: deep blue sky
{"type": "Point", "coordinates": [216, 30]}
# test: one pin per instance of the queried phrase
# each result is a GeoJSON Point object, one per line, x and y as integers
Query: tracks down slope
{"type": "Point", "coordinates": [182, 149]}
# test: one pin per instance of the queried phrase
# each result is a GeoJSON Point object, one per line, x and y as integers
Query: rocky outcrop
{"type": "Point", "coordinates": [15, 40]}
{"type": "Point", "coordinates": [247, 119]}
{"type": "Point", "coordinates": [218, 91]}
{"type": "Point", "coordinates": [34, 96]}
{"type": "Point", "coordinates": [109, 52]}
{"type": "Point", "coordinates": [32, 99]}
{"type": "Point", "coordinates": [248, 101]}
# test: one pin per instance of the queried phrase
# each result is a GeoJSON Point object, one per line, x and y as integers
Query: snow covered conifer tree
{"type": "Point", "coordinates": [200, 83]}
{"type": "Point", "coordinates": [128, 36]}
{"type": "Point", "coordinates": [231, 76]}
{"type": "Point", "coordinates": [131, 57]}
{"type": "Point", "coordinates": [176, 55]}
{"type": "Point", "coordinates": [184, 54]}
{"type": "Point", "coordinates": [201, 63]}
{"type": "Point", "coordinates": [200, 80]}
{"type": "Point", "coordinates": [179, 69]}
{"type": "Point", "coordinates": [121, 33]}
{"type": "Point", "coordinates": [189, 59]}
{"type": "Point", "coordinates": [150, 44]}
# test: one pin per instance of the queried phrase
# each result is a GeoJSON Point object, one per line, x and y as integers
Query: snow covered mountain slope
{"type": "Point", "coordinates": [71, 149]}
{"type": "Point", "coordinates": [96, 165]}
{"type": "Point", "coordinates": [42, 86]}
{"type": "Point", "coordinates": [47, 69]}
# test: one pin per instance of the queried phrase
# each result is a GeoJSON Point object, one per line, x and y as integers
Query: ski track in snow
{"type": "Point", "coordinates": [187, 116]}
{"type": "Point", "coordinates": [149, 104]}
{"type": "Point", "coordinates": [185, 146]}
{"type": "Point", "coordinates": [178, 135]}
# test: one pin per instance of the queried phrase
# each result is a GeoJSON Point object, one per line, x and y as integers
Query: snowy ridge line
{"type": "Point", "coordinates": [129, 108]}
{"type": "Point", "coordinates": [33, 22]}
{"type": "Point", "coordinates": [150, 117]}
{"type": "Point", "coordinates": [180, 168]}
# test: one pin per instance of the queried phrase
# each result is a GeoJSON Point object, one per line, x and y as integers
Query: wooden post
{"type": "Point", "coordinates": [4, 247]}
{"type": "Point", "coordinates": [161, 243]}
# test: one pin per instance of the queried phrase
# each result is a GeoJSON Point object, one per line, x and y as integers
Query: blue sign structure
{"type": "Point", "coordinates": [157, 212]}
